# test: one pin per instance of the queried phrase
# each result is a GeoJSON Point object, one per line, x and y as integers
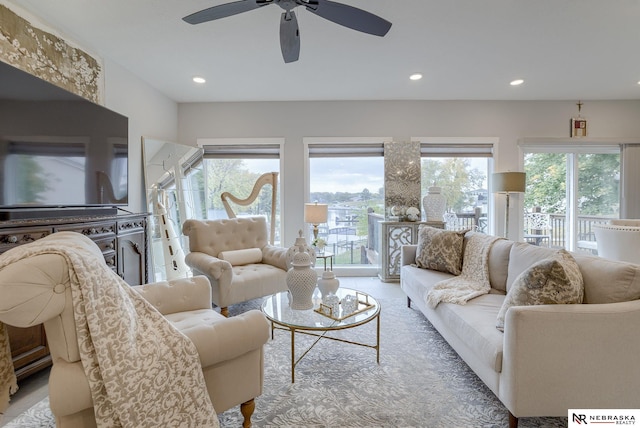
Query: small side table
{"type": "Point", "coordinates": [324, 256]}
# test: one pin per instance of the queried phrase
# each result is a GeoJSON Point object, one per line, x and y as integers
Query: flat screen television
{"type": "Point", "coordinates": [57, 150]}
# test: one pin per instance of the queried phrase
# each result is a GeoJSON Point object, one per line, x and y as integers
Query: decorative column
{"type": "Point", "coordinates": [401, 178]}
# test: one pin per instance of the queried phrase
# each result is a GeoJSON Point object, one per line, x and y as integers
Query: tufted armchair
{"type": "Point", "coordinates": [619, 240]}
{"type": "Point", "coordinates": [236, 257]}
{"type": "Point", "coordinates": [36, 290]}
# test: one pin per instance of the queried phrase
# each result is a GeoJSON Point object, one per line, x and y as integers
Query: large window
{"type": "Point", "coordinates": [573, 188]}
{"type": "Point", "coordinates": [234, 167]}
{"type": "Point", "coordinates": [349, 177]}
{"type": "Point", "coordinates": [460, 169]}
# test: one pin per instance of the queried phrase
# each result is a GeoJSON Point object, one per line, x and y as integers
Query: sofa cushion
{"type": "Point", "coordinates": [440, 250]}
{"type": "Point", "coordinates": [499, 264]}
{"type": "Point", "coordinates": [605, 281]}
{"type": "Point", "coordinates": [608, 281]}
{"type": "Point", "coordinates": [549, 281]}
{"type": "Point", "coordinates": [474, 324]}
{"type": "Point", "coordinates": [242, 257]}
{"type": "Point", "coordinates": [522, 256]}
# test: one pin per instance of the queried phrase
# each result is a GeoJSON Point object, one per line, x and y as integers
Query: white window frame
{"type": "Point", "coordinates": [279, 141]}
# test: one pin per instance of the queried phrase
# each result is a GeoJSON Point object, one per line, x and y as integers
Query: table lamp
{"type": "Point", "coordinates": [508, 182]}
{"type": "Point", "coordinates": [315, 214]}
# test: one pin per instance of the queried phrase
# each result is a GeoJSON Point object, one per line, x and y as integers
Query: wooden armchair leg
{"type": "Point", "coordinates": [247, 409]}
{"type": "Point", "coordinates": [225, 311]}
{"type": "Point", "coordinates": [513, 421]}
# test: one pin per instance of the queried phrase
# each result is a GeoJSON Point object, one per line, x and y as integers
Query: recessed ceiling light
{"type": "Point", "coordinates": [516, 82]}
{"type": "Point", "coordinates": [199, 79]}
{"type": "Point", "coordinates": [415, 76]}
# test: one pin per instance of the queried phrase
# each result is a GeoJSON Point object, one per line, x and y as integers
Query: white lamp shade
{"type": "Point", "coordinates": [315, 213]}
{"type": "Point", "coordinates": [506, 182]}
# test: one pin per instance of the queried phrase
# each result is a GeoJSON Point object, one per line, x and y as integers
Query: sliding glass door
{"type": "Point", "coordinates": [569, 189]}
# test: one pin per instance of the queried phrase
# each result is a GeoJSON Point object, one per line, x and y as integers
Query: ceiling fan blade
{"type": "Point", "coordinates": [289, 37]}
{"type": "Point", "coordinates": [224, 10]}
{"type": "Point", "coordinates": [349, 16]}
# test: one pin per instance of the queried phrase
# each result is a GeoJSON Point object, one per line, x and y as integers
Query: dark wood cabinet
{"type": "Point", "coordinates": [132, 253]}
{"type": "Point", "coordinates": [124, 244]}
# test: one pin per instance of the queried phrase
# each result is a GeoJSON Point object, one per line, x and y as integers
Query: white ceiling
{"type": "Point", "coordinates": [466, 49]}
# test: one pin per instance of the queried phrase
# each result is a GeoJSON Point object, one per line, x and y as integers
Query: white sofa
{"type": "Point", "coordinates": [550, 358]}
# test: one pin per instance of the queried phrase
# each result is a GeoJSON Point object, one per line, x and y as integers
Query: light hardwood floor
{"type": "Point", "coordinates": [34, 388]}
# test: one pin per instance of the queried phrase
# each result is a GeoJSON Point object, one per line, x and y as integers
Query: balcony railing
{"type": "Point", "coordinates": [364, 250]}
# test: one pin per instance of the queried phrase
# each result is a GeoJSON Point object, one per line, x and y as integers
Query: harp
{"type": "Point", "coordinates": [265, 179]}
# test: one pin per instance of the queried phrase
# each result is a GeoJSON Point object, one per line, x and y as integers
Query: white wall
{"type": "Point", "coordinates": [509, 121]}
{"type": "Point", "coordinates": [151, 114]}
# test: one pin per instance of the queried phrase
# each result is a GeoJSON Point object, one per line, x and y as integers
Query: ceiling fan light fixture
{"type": "Point", "coordinates": [338, 13]}
{"type": "Point", "coordinates": [199, 79]}
{"type": "Point", "coordinates": [516, 82]}
{"type": "Point", "coordinates": [415, 76]}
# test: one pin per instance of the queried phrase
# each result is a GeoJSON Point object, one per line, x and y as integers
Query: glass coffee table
{"type": "Point", "coordinates": [313, 323]}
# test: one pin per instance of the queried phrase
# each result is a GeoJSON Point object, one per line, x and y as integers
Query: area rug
{"type": "Point", "coordinates": [420, 382]}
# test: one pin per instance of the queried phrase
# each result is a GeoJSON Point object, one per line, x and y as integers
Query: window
{"type": "Point", "coordinates": [460, 168]}
{"type": "Point", "coordinates": [348, 175]}
{"type": "Point", "coordinates": [234, 166]}
{"type": "Point", "coordinates": [576, 187]}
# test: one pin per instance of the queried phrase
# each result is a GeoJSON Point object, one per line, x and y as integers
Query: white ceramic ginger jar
{"type": "Point", "coordinates": [301, 281]}
{"type": "Point", "coordinates": [328, 283]}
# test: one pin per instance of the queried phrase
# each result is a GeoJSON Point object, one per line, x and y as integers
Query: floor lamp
{"type": "Point", "coordinates": [508, 182]}
{"type": "Point", "coordinates": [315, 214]}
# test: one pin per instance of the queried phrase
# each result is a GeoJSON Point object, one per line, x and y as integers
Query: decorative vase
{"type": "Point", "coordinates": [328, 283]}
{"type": "Point", "coordinates": [413, 214]}
{"type": "Point", "coordinates": [434, 204]}
{"type": "Point", "coordinates": [300, 246]}
{"type": "Point", "coordinates": [301, 282]}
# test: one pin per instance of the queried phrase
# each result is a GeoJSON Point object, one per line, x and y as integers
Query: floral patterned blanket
{"type": "Point", "coordinates": [474, 278]}
{"type": "Point", "coordinates": [142, 371]}
{"type": "Point", "coordinates": [8, 382]}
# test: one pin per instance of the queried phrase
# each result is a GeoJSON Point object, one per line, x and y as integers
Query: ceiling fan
{"type": "Point", "coordinates": [339, 13]}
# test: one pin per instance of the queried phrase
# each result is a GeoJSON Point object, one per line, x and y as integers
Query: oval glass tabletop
{"type": "Point", "coordinates": [276, 308]}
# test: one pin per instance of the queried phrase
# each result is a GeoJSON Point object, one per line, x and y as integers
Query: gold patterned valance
{"type": "Point", "coordinates": [49, 57]}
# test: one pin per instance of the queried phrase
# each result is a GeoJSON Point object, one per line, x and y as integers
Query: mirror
{"type": "Point", "coordinates": [169, 170]}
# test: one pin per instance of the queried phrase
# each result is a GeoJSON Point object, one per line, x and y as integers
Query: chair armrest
{"type": "Point", "coordinates": [580, 355]}
{"type": "Point", "coordinates": [275, 256]}
{"type": "Point", "coordinates": [178, 295]}
{"type": "Point", "coordinates": [209, 265]}
{"type": "Point", "coordinates": [408, 254]}
{"type": "Point", "coordinates": [230, 337]}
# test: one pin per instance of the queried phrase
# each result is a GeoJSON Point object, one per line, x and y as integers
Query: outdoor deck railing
{"type": "Point", "coordinates": [365, 250]}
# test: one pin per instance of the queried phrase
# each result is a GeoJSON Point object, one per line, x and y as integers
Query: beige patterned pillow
{"type": "Point", "coordinates": [439, 249]}
{"type": "Point", "coordinates": [549, 281]}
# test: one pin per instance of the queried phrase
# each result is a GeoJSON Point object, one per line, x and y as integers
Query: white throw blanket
{"type": "Point", "coordinates": [474, 278]}
{"type": "Point", "coordinates": [141, 370]}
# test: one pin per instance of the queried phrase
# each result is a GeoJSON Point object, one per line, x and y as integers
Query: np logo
{"type": "Point", "coordinates": [580, 419]}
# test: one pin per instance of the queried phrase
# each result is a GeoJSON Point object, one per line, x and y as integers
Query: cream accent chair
{"type": "Point", "coordinates": [619, 240]}
{"type": "Point", "coordinates": [236, 257]}
{"type": "Point", "coordinates": [36, 290]}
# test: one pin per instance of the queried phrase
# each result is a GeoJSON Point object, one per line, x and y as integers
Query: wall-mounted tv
{"type": "Point", "coordinates": [57, 149]}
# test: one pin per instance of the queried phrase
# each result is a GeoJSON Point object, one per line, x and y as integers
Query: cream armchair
{"type": "Point", "coordinates": [234, 254]}
{"type": "Point", "coordinates": [619, 240]}
{"type": "Point", "coordinates": [36, 290]}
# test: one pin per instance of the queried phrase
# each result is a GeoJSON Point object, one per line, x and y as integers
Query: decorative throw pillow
{"type": "Point", "coordinates": [242, 257]}
{"type": "Point", "coordinates": [549, 281]}
{"type": "Point", "coordinates": [440, 249]}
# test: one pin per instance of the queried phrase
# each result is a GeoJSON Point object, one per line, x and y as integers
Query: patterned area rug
{"type": "Point", "coordinates": [420, 382]}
